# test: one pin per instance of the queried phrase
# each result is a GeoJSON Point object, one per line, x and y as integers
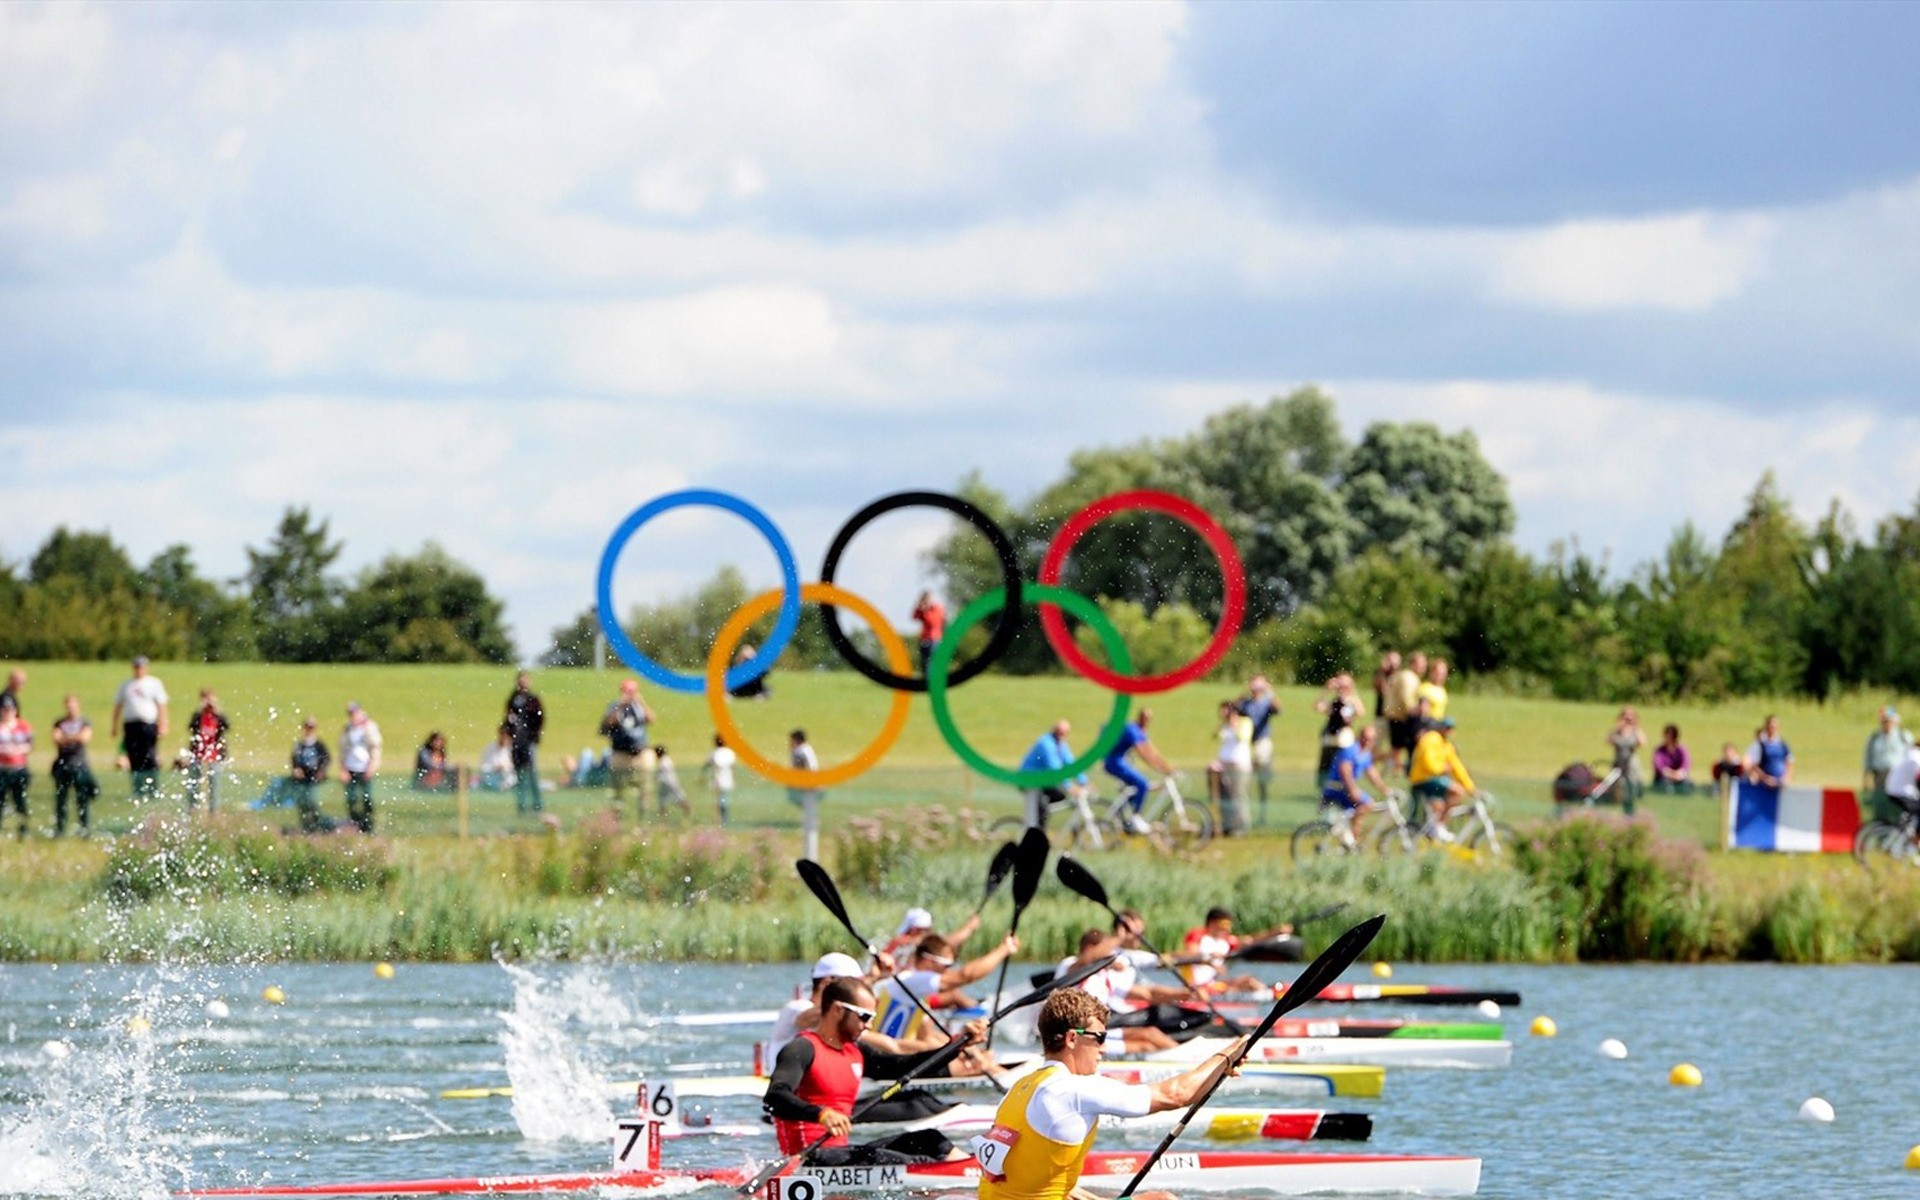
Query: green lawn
{"type": "Point", "coordinates": [1514, 746]}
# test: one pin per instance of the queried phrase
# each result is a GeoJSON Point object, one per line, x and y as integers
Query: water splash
{"type": "Point", "coordinates": [559, 1095]}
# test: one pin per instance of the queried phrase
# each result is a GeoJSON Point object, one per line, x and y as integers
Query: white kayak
{"type": "Point", "coordinates": [1179, 1173]}
{"type": "Point", "coordinates": [1382, 1052]}
{"type": "Point", "coordinates": [1218, 1124]}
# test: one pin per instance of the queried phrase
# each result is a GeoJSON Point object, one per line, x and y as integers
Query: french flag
{"type": "Point", "coordinates": [1797, 819]}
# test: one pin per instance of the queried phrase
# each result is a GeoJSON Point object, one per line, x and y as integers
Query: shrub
{"type": "Point", "coordinates": [171, 859]}
{"type": "Point", "coordinates": [1619, 891]}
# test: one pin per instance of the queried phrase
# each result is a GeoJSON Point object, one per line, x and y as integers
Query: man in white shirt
{"type": "Point", "coordinates": [1903, 780]}
{"type": "Point", "coordinates": [359, 763]}
{"type": "Point", "coordinates": [140, 721]}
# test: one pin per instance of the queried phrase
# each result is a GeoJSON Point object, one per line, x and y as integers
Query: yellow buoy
{"type": "Point", "coordinates": [1543, 1027]}
{"type": "Point", "coordinates": [383, 970]}
{"type": "Point", "coordinates": [1913, 1159]}
{"type": "Point", "coordinates": [273, 994]}
{"type": "Point", "coordinates": [1383, 970]}
{"type": "Point", "coordinates": [139, 1026]}
{"type": "Point", "coordinates": [1684, 1075]}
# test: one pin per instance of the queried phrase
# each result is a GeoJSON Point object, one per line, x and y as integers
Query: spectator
{"type": "Point", "coordinates": [719, 773]}
{"type": "Point", "coordinates": [1389, 666]}
{"type": "Point", "coordinates": [16, 742]}
{"type": "Point", "coordinates": [1260, 708]}
{"type": "Point", "coordinates": [1672, 765]}
{"type": "Point", "coordinates": [16, 684]}
{"type": "Point", "coordinates": [526, 717]}
{"type": "Point", "coordinates": [669, 783]}
{"type": "Point", "coordinates": [1434, 690]}
{"type": "Point", "coordinates": [625, 725]}
{"type": "Point", "coordinates": [496, 764]}
{"type": "Point", "coordinates": [801, 756]}
{"type": "Point", "coordinates": [1231, 768]}
{"type": "Point", "coordinates": [1886, 746]}
{"type": "Point", "coordinates": [1401, 708]}
{"type": "Point", "coordinates": [72, 776]}
{"type": "Point", "coordinates": [1769, 759]}
{"type": "Point", "coordinates": [359, 763]}
{"type": "Point", "coordinates": [932, 616]}
{"type": "Point", "coordinates": [1626, 738]}
{"type": "Point", "coordinates": [307, 766]}
{"type": "Point", "coordinates": [756, 688]}
{"type": "Point", "coordinates": [1731, 767]}
{"type": "Point", "coordinates": [207, 753]}
{"type": "Point", "coordinates": [140, 721]}
{"type": "Point", "coordinates": [1050, 752]}
{"type": "Point", "coordinates": [430, 771]}
{"type": "Point", "coordinates": [1342, 708]}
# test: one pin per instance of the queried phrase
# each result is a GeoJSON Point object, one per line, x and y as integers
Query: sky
{"type": "Point", "coordinates": [495, 275]}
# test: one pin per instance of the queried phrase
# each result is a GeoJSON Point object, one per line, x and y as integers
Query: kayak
{"type": "Point", "coordinates": [1179, 1173]}
{"type": "Point", "coordinates": [1405, 993]}
{"type": "Point", "coordinates": [1484, 1031]}
{"type": "Point", "coordinates": [1104, 1171]}
{"type": "Point", "coordinates": [1383, 1052]}
{"type": "Point", "coordinates": [1217, 1124]}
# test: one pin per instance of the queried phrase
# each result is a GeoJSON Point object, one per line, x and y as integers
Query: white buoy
{"type": "Point", "coordinates": [1818, 1111]}
{"type": "Point", "coordinates": [1613, 1048]}
{"type": "Point", "coordinates": [218, 1010]}
{"type": "Point", "coordinates": [1490, 1010]}
{"type": "Point", "coordinates": [55, 1049]}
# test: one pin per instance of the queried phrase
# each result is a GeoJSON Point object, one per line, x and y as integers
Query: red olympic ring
{"type": "Point", "coordinates": [1233, 579]}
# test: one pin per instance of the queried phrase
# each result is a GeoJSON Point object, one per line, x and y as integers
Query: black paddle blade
{"type": "Point", "coordinates": [1322, 971]}
{"type": "Point", "coordinates": [1029, 867]}
{"type": "Point", "coordinates": [1343, 1127]}
{"type": "Point", "coordinates": [998, 870]}
{"type": "Point", "coordinates": [1320, 915]}
{"type": "Point", "coordinates": [1080, 880]}
{"type": "Point", "coordinates": [821, 885]}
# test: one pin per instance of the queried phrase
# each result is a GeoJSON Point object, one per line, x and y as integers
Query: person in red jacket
{"type": "Point", "coordinates": [16, 740]}
{"type": "Point", "coordinates": [816, 1081]}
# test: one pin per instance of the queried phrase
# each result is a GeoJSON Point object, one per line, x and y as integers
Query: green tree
{"type": "Point", "coordinates": [291, 597]}
{"type": "Point", "coordinates": [92, 560]}
{"type": "Point", "coordinates": [1681, 624]}
{"type": "Point", "coordinates": [219, 626]}
{"type": "Point", "coordinates": [1416, 491]}
{"type": "Point", "coordinates": [427, 607]}
{"type": "Point", "coordinates": [84, 600]}
{"type": "Point", "coordinates": [1171, 637]}
{"type": "Point", "coordinates": [1392, 600]}
{"type": "Point", "coordinates": [571, 645]}
{"type": "Point", "coordinates": [1506, 620]}
{"type": "Point", "coordinates": [1765, 564]}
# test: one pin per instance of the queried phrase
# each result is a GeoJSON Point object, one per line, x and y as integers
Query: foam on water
{"type": "Point", "coordinates": [558, 1094]}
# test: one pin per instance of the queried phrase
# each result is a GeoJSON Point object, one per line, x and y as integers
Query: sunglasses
{"type": "Point", "coordinates": [1098, 1036]}
{"type": "Point", "coordinates": [865, 1014]}
{"type": "Point", "coordinates": [936, 960]}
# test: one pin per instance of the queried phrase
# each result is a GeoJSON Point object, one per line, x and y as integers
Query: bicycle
{"type": "Point", "coordinates": [1174, 822]}
{"type": "Point", "coordinates": [1332, 832]}
{"type": "Point", "coordinates": [1882, 842]}
{"type": "Point", "coordinates": [1479, 832]}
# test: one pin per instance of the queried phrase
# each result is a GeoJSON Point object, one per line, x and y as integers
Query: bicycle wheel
{"type": "Point", "coordinates": [1189, 827]}
{"type": "Point", "coordinates": [1495, 838]}
{"type": "Point", "coordinates": [1397, 841]}
{"type": "Point", "coordinates": [1318, 838]}
{"type": "Point", "coordinates": [1009, 828]}
{"type": "Point", "coordinates": [1880, 843]}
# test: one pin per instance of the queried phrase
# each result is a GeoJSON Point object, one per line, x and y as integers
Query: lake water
{"type": "Point", "coordinates": [342, 1081]}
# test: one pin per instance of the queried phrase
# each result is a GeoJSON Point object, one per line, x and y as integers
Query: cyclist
{"type": "Point", "coordinates": [1050, 753]}
{"type": "Point", "coordinates": [1903, 781]}
{"type": "Point", "coordinates": [1134, 785]}
{"type": "Point", "coordinates": [1439, 778]}
{"type": "Point", "coordinates": [1351, 764]}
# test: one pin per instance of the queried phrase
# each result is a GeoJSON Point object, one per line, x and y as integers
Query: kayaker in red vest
{"type": "Point", "coordinates": [816, 1081]}
{"type": "Point", "coordinates": [1205, 949]}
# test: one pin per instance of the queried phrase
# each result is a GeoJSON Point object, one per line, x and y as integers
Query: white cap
{"type": "Point", "coordinates": [837, 965]}
{"type": "Point", "coordinates": [916, 918]}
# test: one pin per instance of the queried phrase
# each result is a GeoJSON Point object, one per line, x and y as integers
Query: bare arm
{"type": "Point", "coordinates": [1179, 1091]}
{"type": "Point", "coordinates": [115, 730]}
{"type": "Point", "coordinates": [1153, 758]}
{"type": "Point", "coordinates": [162, 726]}
{"type": "Point", "coordinates": [964, 973]}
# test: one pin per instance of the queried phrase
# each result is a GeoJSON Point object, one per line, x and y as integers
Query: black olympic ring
{"type": "Point", "coordinates": [967, 511]}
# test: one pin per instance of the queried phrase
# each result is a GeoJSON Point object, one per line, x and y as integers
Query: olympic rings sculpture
{"type": "Point", "coordinates": [941, 674]}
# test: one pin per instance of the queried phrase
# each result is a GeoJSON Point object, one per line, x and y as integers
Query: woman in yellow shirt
{"type": "Point", "coordinates": [1439, 778]}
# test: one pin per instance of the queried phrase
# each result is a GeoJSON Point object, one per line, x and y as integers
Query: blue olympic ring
{"type": "Point", "coordinates": [739, 674]}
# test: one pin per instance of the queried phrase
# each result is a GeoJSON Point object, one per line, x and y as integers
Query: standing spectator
{"type": "Point", "coordinates": [71, 773]}
{"type": "Point", "coordinates": [1231, 767]}
{"type": "Point", "coordinates": [1626, 738]}
{"type": "Point", "coordinates": [526, 717]}
{"type": "Point", "coordinates": [16, 684]}
{"type": "Point", "coordinates": [756, 688]}
{"type": "Point", "coordinates": [932, 616]}
{"type": "Point", "coordinates": [16, 742]}
{"type": "Point", "coordinates": [719, 773]}
{"type": "Point", "coordinates": [207, 748]}
{"type": "Point", "coordinates": [307, 767]}
{"type": "Point", "coordinates": [140, 721]}
{"type": "Point", "coordinates": [1389, 664]}
{"type": "Point", "coordinates": [1886, 746]}
{"type": "Point", "coordinates": [668, 780]}
{"type": "Point", "coordinates": [625, 726]}
{"type": "Point", "coordinates": [359, 763]}
{"type": "Point", "coordinates": [1769, 759]}
{"type": "Point", "coordinates": [1260, 708]}
{"type": "Point", "coordinates": [1672, 765]}
{"type": "Point", "coordinates": [801, 755]}
{"type": "Point", "coordinates": [1342, 708]}
{"type": "Point", "coordinates": [430, 773]}
{"type": "Point", "coordinates": [1401, 707]}
{"type": "Point", "coordinates": [1434, 690]}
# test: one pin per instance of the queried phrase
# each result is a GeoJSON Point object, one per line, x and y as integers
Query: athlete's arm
{"type": "Point", "coordinates": [782, 1101]}
{"type": "Point", "coordinates": [1153, 758]}
{"type": "Point", "coordinates": [964, 973]}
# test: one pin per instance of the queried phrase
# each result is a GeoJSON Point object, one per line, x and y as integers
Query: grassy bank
{"type": "Point", "coordinates": [1579, 890]}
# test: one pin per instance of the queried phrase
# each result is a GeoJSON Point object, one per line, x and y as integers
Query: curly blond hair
{"type": "Point", "coordinates": [1068, 1009]}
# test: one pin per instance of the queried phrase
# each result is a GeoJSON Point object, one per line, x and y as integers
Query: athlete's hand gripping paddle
{"type": "Point", "coordinates": [822, 886]}
{"type": "Point", "coordinates": [1079, 879]}
{"type": "Point", "coordinates": [940, 1058]}
{"type": "Point", "coordinates": [1310, 983]}
{"type": "Point", "coordinates": [1030, 865]}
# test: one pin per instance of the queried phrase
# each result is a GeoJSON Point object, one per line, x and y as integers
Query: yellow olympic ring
{"type": "Point", "coordinates": [796, 777]}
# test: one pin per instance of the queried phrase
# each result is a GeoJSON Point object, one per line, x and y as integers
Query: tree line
{"type": "Point", "coordinates": [81, 597]}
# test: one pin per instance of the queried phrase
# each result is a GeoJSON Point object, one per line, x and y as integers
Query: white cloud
{"type": "Point", "coordinates": [1686, 263]}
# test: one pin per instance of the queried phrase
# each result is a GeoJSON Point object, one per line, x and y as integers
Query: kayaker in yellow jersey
{"type": "Point", "coordinates": [1046, 1121]}
{"type": "Point", "coordinates": [1439, 778]}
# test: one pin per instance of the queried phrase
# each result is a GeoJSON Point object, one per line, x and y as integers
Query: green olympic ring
{"type": "Point", "coordinates": [984, 606]}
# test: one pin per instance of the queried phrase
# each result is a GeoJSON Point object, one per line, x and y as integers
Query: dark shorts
{"type": "Point", "coordinates": [1400, 734]}
{"type": "Point", "coordinates": [140, 739]}
{"type": "Point", "coordinates": [1433, 789]}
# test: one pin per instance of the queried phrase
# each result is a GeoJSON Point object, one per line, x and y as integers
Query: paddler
{"type": "Point", "coordinates": [1118, 988]}
{"type": "Point", "coordinates": [918, 923]}
{"type": "Point", "coordinates": [816, 1081]}
{"type": "Point", "coordinates": [1136, 1004]}
{"type": "Point", "coordinates": [1046, 1122]}
{"type": "Point", "coordinates": [935, 977]}
{"type": "Point", "coordinates": [1206, 947]}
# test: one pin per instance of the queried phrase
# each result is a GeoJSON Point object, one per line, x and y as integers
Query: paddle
{"type": "Point", "coordinates": [1246, 948]}
{"type": "Point", "coordinates": [941, 1058]}
{"type": "Point", "coordinates": [1029, 866]}
{"type": "Point", "coordinates": [1079, 879]}
{"type": "Point", "coordinates": [997, 872]}
{"type": "Point", "coordinates": [822, 886]}
{"type": "Point", "coordinates": [1319, 973]}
